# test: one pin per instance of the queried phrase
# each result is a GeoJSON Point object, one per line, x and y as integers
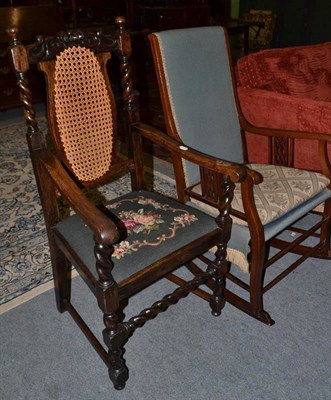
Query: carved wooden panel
{"type": "Point", "coordinates": [282, 151]}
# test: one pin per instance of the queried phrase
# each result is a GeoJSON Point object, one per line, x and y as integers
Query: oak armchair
{"type": "Point", "coordinates": [201, 109]}
{"type": "Point", "coordinates": [122, 245]}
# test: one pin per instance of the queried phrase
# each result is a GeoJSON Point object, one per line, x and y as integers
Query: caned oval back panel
{"type": "Point", "coordinates": [83, 113]}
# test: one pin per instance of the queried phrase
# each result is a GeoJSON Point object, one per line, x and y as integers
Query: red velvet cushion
{"type": "Point", "coordinates": [303, 71]}
{"type": "Point", "coordinates": [274, 110]}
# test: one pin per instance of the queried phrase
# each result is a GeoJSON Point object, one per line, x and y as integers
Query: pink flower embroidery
{"type": "Point", "coordinates": [121, 249]}
{"type": "Point", "coordinates": [129, 224]}
{"type": "Point", "coordinates": [185, 219]}
{"type": "Point", "coordinates": [147, 222]}
{"type": "Point", "coordinates": [146, 219]}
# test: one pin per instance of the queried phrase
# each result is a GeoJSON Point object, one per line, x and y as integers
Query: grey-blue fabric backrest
{"type": "Point", "coordinates": [200, 88]}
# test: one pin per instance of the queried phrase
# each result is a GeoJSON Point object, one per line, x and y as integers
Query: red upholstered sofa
{"type": "Point", "coordinates": [288, 88]}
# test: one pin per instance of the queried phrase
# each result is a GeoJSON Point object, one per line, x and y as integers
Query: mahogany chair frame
{"type": "Point", "coordinates": [281, 145]}
{"type": "Point", "coordinates": [55, 177]}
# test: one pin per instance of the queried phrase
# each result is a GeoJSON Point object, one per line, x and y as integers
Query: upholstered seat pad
{"type": "Point", "coordinates": [148, 221]}
{"type": "Point", "coordinates": [282, 189]}
{"type": "Point", "coordinates": [285, 195]}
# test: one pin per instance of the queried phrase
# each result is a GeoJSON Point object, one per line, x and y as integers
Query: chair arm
{"type": "Point", "coordinates": [255, 176]}
{"type": "Point", "coordinates": [323, 137]}
{"type": "Point", "coordinates": [105, 231]}
{"type": "Point", "coordinates": [236, 172]}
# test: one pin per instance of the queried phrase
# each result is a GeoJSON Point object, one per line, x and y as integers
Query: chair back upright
{"type": "Point", "coordinates": [197, 92]}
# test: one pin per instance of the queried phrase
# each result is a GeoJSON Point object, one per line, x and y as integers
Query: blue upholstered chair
{"type": "Point", "coordinates": [201, 111]}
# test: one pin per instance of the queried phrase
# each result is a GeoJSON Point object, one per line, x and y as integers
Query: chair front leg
{"type": "Point", "coordinates": [258, 251]}
{"type": "Point", "coordinates": [115, 333]}
{"type": "Point", "coordinates": [218, 270]}
{"type": "Point", "coordinates": [220, 266]}
{"type": "Point", "coordinates": [257, 273]}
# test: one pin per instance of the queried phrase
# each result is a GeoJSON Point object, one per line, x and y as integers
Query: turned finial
{"type": "Point", "coordinates": [13, 32]}
{"type": "Point", "coordinates": [120, 22]}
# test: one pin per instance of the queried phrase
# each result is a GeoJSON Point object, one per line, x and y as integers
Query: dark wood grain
{"type": "Point", "coordinates": [57, 179]}
{"type": "Point", "coordinates": [281, 153]}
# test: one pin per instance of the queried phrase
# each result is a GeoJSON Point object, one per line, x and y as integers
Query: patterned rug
{"type": "Point", "coordinates": [25, 269]}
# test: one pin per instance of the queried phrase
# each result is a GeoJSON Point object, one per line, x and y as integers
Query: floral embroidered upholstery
{"type": "Point", "coordinates": [149, 220]}
{"type": "Point", "coordinates": [147, 226]}
{"type": "Point", "coordinates": [282, 189]}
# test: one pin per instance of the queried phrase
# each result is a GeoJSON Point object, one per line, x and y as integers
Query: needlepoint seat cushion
{"type": "Point", "coordinates": [149, 221]}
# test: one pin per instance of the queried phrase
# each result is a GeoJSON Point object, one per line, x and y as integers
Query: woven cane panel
{"type": "Point", "coordinates": [83, 113]}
